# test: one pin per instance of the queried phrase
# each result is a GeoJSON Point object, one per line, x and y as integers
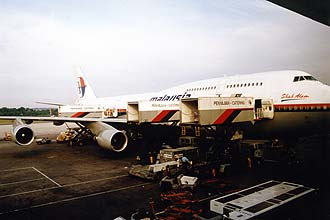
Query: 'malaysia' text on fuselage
{"type": "Point", "coordinates": [171, 98]}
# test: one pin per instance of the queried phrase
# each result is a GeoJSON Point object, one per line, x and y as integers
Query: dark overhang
{"type": "Point", "coordinates": [318, 10]}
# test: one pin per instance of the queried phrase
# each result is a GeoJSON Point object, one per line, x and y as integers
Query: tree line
{"type": "Point", "coordinates": [4, 111]}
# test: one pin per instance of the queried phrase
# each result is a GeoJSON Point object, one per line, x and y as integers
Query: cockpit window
{"type": "Point", "coordinates": [301, 78]}
{"type": "Point", "coordinates": [310, 78]}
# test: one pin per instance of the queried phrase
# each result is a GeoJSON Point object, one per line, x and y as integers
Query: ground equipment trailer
{"type": "Point", "coordinates": [257, 200]}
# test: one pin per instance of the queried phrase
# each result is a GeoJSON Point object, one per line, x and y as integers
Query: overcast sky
{"type": "Point", "coordinates": [133, 46]}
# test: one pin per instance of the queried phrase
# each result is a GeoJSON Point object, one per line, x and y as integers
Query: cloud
{"type": "Point", "coordinates": [144, 46]}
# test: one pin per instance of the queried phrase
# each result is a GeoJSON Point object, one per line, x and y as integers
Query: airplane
{"type": "Point", "coordinates": [301, 106]}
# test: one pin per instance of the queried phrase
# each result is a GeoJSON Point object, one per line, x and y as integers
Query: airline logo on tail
{"type": "Point", "coordinates": [81, 86]}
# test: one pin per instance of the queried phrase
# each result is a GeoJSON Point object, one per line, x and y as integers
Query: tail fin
{"type": "Point", "coordinates": [85, 91]}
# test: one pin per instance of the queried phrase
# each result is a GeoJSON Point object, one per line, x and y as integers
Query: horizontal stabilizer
{"type": "Point", "coordinates": [51, 103]}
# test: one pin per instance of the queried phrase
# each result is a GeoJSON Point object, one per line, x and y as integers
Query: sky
{"type": "Point", "coordinates": [128, 46]}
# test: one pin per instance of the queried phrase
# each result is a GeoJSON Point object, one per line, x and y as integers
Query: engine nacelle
{"type": "Point", "coordinates": [22, 134]}
{"type": "Point", "coordinates": [108, 137]}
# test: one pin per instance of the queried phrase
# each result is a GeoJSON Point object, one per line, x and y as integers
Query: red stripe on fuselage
{"type": "Point", "coordinates": [161, 116]}
{"type": "Point", "coordinates": [223, 117]}
{"type": "Point", "coordinates": [78, 114]}
{"type": "Point", "coordinates": [303, 107]}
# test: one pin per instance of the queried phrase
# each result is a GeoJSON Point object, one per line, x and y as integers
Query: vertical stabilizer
{"type": "Point", "coordinates": [85, 91]}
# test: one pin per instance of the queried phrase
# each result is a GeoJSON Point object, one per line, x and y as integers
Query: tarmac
{"type": "Point", "coordinates": [55, 181]}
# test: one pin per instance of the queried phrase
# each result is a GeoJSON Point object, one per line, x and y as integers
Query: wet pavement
{"type": "Point", "coordinates": [54, 181]}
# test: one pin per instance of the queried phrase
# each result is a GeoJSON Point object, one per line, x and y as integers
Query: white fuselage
{"type": "Point", "coordinates": [279, 86]}
{"type": "Point", "coordinates": [299, 100]}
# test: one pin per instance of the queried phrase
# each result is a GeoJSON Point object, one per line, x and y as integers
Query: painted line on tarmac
{"type": "Point", "coordinates": [57, 187]}
{"type": "Point", "coordinates": [77, 198]}
{"type": "Point", "coordinates": [23, 168]}
{"type": "Point", "coordinates": [92, 181]}
{"type": "Point", "coordinates": [18, 182]}
{"type": "Point", "coordinates": [47, 177]}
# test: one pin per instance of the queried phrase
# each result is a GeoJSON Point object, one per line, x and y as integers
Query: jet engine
{"type": "Point", "coordinates": [108, 137]}
{"type": "Point", "coordinates": [21, 133]}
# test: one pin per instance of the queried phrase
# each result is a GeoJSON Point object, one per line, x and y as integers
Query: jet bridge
{"type": "Point", "coordinates": [217, 110]}
{"type": "Point", "coordinates": [153, 111]}
{"type": "Point", "coordinates": [254, 201]}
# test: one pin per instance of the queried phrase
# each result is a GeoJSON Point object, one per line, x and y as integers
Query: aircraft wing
{"type": "Point", "coordinates": [30, 119]}
{"type": "Point", "coordinates": [105, 135]}
{"type": "Point", "coordinates": [50, 103]}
